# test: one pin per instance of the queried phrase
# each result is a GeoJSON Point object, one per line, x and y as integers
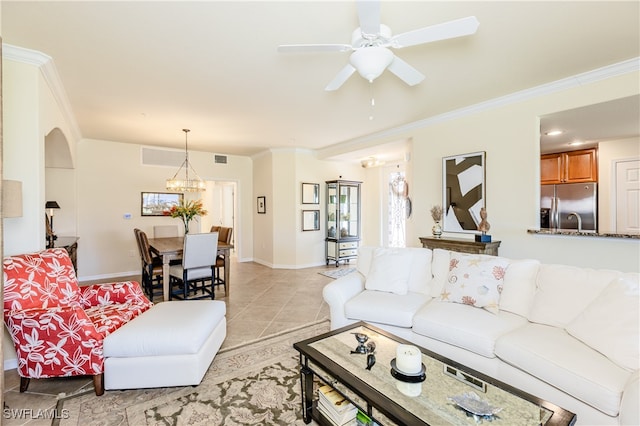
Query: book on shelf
{"type": "Point", "coordinates": [334, 406]}
{"type": "Point", "coordinates": [347, 421]}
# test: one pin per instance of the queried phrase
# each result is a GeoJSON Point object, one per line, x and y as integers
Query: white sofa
{"type": "Point", "coordinates": [565, 334]}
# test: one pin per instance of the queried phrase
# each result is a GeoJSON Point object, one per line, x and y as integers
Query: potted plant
{"type": "Point", "coordinates": [187, 210]}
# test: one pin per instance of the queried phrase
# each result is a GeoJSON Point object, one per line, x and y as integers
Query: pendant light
{"type": "Point", "coordinates": [186, 185]}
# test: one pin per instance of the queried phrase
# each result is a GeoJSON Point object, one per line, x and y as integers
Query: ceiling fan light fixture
{"type": "Point", "coordinates": [371, 61]}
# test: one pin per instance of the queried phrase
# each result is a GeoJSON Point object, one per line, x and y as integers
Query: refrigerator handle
{"type": "Point", "coordinates": [554, 213]}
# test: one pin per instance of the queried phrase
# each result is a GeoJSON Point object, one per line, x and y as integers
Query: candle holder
{"type": "Point", "coordinates": [407, 366]}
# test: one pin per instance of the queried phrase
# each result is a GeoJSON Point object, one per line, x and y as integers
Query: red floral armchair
{"type": "Point", "coordinates": [56, 325]}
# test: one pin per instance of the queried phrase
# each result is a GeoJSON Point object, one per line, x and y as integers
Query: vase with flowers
{"type": "Point", "coordinates": [186, 211]}
{"type": "Point", "coordinates": [436, 215]}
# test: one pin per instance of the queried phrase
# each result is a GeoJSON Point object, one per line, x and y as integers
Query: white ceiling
{"type": "Point", "coordinates": [140, 71]}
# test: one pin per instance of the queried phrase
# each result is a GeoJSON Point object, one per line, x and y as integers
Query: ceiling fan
{"type": "Point", "coordinates": [371, 44]}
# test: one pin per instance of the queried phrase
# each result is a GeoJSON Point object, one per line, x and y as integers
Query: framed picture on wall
{"type": "Point", "coordinates": [262, 205]}
{"type": "Point", "coordinates": [310, 220]}
{"type": "Point", "coordinates": [158, 203]}
{"type": "Point", "coordinates": [463, 191]}
{"type": "Point", "coordinates": [310, 193]}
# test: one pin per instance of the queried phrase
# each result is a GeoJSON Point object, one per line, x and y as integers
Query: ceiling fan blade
{"type": "Point", "coordinates": [369, 16]}
{"type": "Point", "coordinates": [285, 48]}
{"type": "Point", "coordinates": [405, 72]}
{"type": "Point", "coordinates": [339, 79]}
{"type": "Point", "coordinates": [451, 29]}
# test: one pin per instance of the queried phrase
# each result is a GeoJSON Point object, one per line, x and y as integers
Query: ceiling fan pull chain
{"type": "Point", "coordinates": [373, 101]}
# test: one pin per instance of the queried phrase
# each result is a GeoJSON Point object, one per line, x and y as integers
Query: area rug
{"type": "Point", "coordinates": [254, 383]}
{"type": "Point", "coordinates": [337, 273]}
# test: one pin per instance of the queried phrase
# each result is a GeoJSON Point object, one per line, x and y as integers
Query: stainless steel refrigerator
{"type": "Point", "coordinates": [564, 205]}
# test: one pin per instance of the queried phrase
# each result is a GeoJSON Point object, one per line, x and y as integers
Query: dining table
{"type": "Point", "coordinates": [170, 248]}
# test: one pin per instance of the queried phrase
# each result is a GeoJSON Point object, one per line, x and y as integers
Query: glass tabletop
{"type": "Point", "coordinates": [450, 394]}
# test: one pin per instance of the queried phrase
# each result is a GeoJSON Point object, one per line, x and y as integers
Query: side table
{"type": "Point", "coordinates": [461, 245]}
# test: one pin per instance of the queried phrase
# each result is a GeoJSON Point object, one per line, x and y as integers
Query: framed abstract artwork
{"type": "Point", "coordinates": [463, 191]}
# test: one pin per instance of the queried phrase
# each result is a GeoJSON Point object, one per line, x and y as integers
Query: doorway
{"type": "Point", "coordinates": [397, 209]}
{"type": "Point", "coordinates": [627, 175]}
{"type": "Point", "coordinates": [221, 206]}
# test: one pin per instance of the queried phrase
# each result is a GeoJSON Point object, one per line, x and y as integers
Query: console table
{"type": "Point", "coordinates": [461, 245]}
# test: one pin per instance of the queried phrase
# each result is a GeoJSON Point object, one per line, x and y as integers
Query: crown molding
{"type": "Point", "coordinates": [609, 71]}
{"type": "Point", "coordinates": [51, 77]}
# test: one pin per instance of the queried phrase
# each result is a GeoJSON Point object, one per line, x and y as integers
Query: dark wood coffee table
{"type": "Point", "coordinates": [384, 399]}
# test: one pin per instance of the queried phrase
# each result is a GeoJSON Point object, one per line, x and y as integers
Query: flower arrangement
{"type": "Point", "coordinates": [187, 210]}
{"type": "Point", "coordinates": [436, 213]}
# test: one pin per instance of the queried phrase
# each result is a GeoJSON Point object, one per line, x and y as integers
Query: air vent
{"type": "Point", "coordinates": [220, 159]}
{"type": "Point", "coordinates": [161, 157]}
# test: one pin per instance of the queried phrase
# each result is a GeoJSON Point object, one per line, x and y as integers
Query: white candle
{"type": "Point", "coordinates": [408, 359]}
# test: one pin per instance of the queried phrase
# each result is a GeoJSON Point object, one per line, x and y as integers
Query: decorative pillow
{"type": "Point", "coordinates": [390, 270]}
{"type": "Point", "coordinates": [610, 324]}
{"type": "Point", "coordinates": [475, 280]}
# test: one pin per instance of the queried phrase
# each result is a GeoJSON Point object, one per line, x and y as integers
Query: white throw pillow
{"type": "Point", "coordinates": [475, 280]}
{"type": "Point", "coordinates": [610, 324]}
{"type": "Point", "coordinates": [519, 286]}
{"type": "Point", "coordinates": [439, 269]}
{"type": "Point", "coordinates": [390, 270]}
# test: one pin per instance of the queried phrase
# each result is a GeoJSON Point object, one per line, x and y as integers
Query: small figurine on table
{"type": "Point", "coordinates": [483, 227]}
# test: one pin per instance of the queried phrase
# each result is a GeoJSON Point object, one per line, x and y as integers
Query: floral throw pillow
{"type": "Point", "coordinates": [475, 280]}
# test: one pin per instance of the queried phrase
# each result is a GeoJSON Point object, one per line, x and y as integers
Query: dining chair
{"type": "Point", "coordinates": [151, 266]}
{"type": "Point", "coordinates": [165, 231]}
{"type": "Point", "coordinates": [224, 236]}
{"type": "Point", "coordinates": [197, 271]}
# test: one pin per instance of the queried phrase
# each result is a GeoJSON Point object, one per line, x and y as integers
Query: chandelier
{"type": "Point", "coordinates": [194, 184]}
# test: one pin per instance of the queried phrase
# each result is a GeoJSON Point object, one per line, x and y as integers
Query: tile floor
{"type": "Point", "coordinates": [262, 301]}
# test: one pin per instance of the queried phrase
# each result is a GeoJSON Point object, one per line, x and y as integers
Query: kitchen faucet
{"type": "Point", "coordinates": [578, 218]}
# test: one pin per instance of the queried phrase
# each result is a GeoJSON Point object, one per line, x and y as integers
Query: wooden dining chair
{"type": "Point", "coordinates": [196, 273]}
{"type": "Point", "coordinates": [224, 236]}
{"type": "Point", "coordinates": [151, 266]}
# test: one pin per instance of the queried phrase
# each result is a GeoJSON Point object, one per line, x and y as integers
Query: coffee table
{"type": "Point", "coordinates": [329, 358]}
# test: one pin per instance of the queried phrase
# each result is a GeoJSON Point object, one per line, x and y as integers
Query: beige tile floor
{"type": "Point", "coordinates": [262, 301]}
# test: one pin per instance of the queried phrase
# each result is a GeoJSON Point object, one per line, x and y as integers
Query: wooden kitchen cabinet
{"type": "Point", "coordinates": [569, 167]}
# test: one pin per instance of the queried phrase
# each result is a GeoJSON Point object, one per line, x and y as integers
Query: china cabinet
{"type": "Point", "coordinates": [343, 220]}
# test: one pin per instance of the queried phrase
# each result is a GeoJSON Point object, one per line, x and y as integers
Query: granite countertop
{"type": "Point", "coordinates": [575, 233]}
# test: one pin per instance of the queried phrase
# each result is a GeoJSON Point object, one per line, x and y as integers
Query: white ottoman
{"type": "Point", "coordinates": [171, 344]}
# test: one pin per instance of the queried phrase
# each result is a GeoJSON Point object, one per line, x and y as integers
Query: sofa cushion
{"type": "Point", "coordinates": [439, 269]}
{"type": "Point", "coordinates": [472, 329]}
{"type": "Point", "coordinates": [611, 323]}
{"type": "Point", "coordinates": [564, 291]}
{"type": "Point", "coordinates": [475, 280]}
{"type": "Point", "coordinates": [390, 270]}
{"type": "Point", "coordinates": [519, 286]}
{"type": "Point", "coordinates": [554, 356]}
{"type": "Point", "coordinates": [420, 275]}
{"type": "Point", "coordinates": [385, 308]}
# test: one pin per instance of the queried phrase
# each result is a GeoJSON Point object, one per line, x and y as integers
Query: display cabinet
{"type": "Point", "coordinates": [343, 220]}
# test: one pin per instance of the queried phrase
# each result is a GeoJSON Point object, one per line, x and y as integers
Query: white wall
{"type": "Point", "coordinates": [110, 180]}
{"type": "Point", "coordinates": [30, 112]}
{"type": "Point", "coordinates": [510, 137]}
